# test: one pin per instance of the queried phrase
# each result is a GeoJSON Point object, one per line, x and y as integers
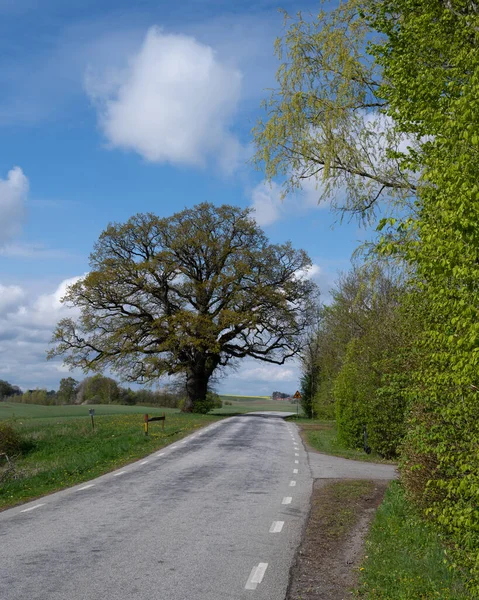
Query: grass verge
{"type": "Point", "coordinates": [331, 545]}
{"type": "Point", "coordinates": [62, 452]}
{"type": "Point", "coordinates": [322, 436]}
{"type": "Point", "coordinates": [404, 557]}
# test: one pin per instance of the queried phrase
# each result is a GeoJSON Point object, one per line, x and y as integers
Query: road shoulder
{"type": "Point", "coordinates": [331, 551]}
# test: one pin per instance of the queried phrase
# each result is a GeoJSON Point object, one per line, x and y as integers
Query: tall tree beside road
{"type": "Point", "coordinates": [188, 294]}
{"type": "Point", "coordinates": [325, 122]}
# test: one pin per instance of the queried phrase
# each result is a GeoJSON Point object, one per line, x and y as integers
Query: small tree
{"type": "Point", "coordinates": [187, 294]}
{"type": "Point", "coordinates": [67, 390]}
{"type": "Point", "coordinates": [8, 390]}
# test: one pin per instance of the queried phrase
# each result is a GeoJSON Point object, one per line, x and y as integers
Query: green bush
{"type": "Point", "coordinates": [10, 440]}
{"type": "Point", "coordinates": [350, 410]}
{"type": "Point", "coordinates": [211, 402]}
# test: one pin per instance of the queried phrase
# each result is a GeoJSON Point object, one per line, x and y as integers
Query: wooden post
{"type": "Point", "coordinates": [163, 422]}
{"type": "Point", "coordinates": [145, 425]}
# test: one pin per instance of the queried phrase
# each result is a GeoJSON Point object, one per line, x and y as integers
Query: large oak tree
{"type": "Point", "coordinates": [187, 294]}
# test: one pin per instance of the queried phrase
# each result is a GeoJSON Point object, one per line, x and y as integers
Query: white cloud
{"type": "Point", "coordinates": [172, 103]}
{"type": "Point", "coordinates": [312, 272]}
{"type": "Point", "coordinates": [26, 325]}
{"type": "Point", "coordinates": [10, 297]}
{"type": "Point", "coordinates": [13, 194]}
{"type": "Point", "coordinates": [269, 207]}
{"type": "Point", "coordinates": [267, 203]}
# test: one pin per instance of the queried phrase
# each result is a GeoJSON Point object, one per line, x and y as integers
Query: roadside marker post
{"type": "Point", "coordinates": [145, 424]}
{"type": "Point", "coordinates": [148, 420]}
{"type": "Point", "coordinates": [91, 412]}
{"type": "Point", "coordinates": [297, 397]}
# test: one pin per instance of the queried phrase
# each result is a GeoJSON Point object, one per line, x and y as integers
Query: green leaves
{"type": "Point", "coordinates": [186, 295]}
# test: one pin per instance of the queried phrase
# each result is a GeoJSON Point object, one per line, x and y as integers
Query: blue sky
{"type": "Point", "coordinates": [112, 108]}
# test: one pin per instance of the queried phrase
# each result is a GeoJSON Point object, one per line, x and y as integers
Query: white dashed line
{"type": "Point", "coordinates": [292, 483]}
{"type": "Point", "coordinates": [160, 454]}
{"type": "Point", "coordinates": [295, 471]}
{"type": "Point", "coordinates": [276, 527]}
{"type": "Point", "coordinates": [143, 462]}
{"type": "Point", "coordinates": [32, 507]}
{"type": "Point", "coordinates": [256, 576]}
{"type": "Point", "coordinates": [296, 454]}
{"type": "Point", "coordinates": [296, 462]}
{"type": "Point", "coordinates": [287, 500]}
{"type": "Point", "coordinates": [86, 487]}
{"type": "Point", "coordinates": [120, 473]}
{"type": "Point", "coordinates": [173, 447]}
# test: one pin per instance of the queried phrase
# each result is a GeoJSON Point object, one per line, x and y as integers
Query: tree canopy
{"type": "Point", "coordinates": [325, 121]}
{"type": "Point", "coordinates": [186, 294]}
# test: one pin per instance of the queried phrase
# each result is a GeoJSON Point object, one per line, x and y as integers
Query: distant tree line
{"type": "Point", "coordinates": [280, 395]}
{"type": "Point", "coordinates": [100, 389]}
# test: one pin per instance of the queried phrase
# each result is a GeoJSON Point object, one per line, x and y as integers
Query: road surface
{"type": "Point", "coordinates": [217, 516]}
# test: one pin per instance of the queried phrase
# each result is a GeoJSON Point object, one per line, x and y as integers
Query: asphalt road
{"type": "Point", "coordinates": [217, 516]}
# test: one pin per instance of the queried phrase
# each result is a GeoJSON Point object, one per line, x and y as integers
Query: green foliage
{"type": "Point", "coordinates": [307, 394]}
{"type": "Point", "coordinates": [186, 295]}
{"type": "Point", "coordinates": [323, 121]}
{"type": "Point", "coordinates": [356, 355]}
{"type": "Point", "coordinates": [38, 396]}
{"type": "Point", "coordinates": [67, 391]}
{"type": "Point", "coordinates": [431, 84]}
{"type": "Point", "coordinates": [211, 401]}
{"type": "Point", "coordinates": [7, 390]}
{"type": "Point", "coordinates": [351, 393]}
{"type": "Point", "coordinates": [411, 67]}
{"type": "Point", "coordinates": [11, 441]}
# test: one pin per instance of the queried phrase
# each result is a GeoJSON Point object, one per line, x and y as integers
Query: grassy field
{"type": "Point", "coordinates": [15, 410]}
{"type": "Point", "coordinates": [404, 558]}
{"type": "Point", "coordinates": [243, 404]}
{"type": "Point", "coordinates": [61, 450]}
{"type": "Point", "coordinates": [322, 436]}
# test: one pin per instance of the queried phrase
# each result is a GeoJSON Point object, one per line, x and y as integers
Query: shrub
{"type": "Point", "coordinates": [10, 440]}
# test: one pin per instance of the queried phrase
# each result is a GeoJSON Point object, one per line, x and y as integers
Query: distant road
{"type": "Point", "coordinates": [217, 516]}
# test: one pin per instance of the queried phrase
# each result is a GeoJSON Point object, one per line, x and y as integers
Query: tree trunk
{"type": "Point", "coordinates": [196, 388]}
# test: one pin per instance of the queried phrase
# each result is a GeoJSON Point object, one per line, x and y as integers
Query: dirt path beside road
{"type": "Point", "coordinates": [345, 497]}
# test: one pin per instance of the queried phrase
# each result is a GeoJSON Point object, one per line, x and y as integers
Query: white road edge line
{"type": "Point", "coordinates": [120, 473]}
{"type": "Point", "coordinates": [256, 576]}
{"type": "Point", "coordinates": [86, 487]}
{"type": "Point", "coordinates": [32, 507]}
{"type": "Point", "coordinates": [292, 483]}
{"type": "Point", "coordinates": [276, 527]}
{"type": "Point", "coordinates": [143, 462]}
{"type": "Point", "coordinates": [161, 454]}
{"type": "Point", "coordinates": [287, 500]}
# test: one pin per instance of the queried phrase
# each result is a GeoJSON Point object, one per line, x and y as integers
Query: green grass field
{"type": "Point", "coordinates": [61, 450]}
{"type": "Point", "coordinates": [15, 410]}
{"type": "Point", "coordinates": [243, 404]}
